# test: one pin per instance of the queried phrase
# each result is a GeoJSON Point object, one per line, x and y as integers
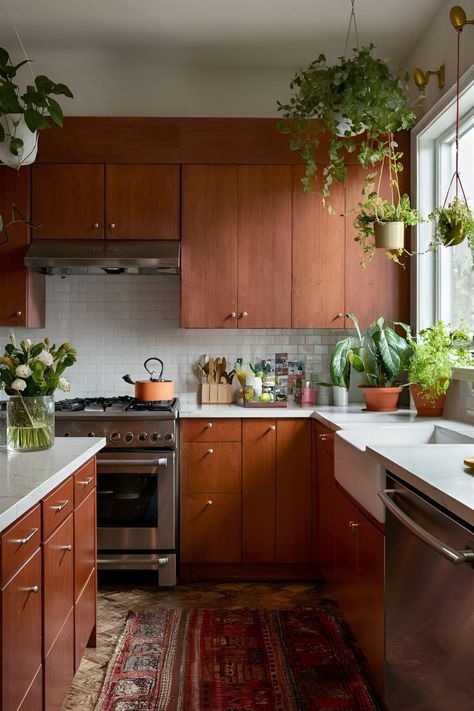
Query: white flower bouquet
{"type": "Point", "coordinates": [30, 374]}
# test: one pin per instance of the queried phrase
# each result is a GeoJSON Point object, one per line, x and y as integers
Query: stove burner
{"type": "Point", "coordinates": [122, 403]}
{"type": "Point", "coordinates": [152, 405]}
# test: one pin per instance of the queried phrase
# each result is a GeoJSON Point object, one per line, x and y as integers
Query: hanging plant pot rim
{"type": "Point", "coordinates": [389, 235]}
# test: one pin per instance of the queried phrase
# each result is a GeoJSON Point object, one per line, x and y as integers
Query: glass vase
{"type": "Point", "coordinates": [30, 423]}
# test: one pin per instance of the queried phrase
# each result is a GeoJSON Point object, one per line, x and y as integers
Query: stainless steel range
{"type": "Point", "coordinates": [137, 482]}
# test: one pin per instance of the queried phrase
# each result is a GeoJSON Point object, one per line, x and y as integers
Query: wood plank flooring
{"type": "Point", "coordinates": [116, 599]}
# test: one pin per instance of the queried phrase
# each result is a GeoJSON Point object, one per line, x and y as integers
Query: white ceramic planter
{"type": "Point", "coordinates": [345, 126]}
{"type": "Point", "coordinates": [389, 235]}
{"type": "Point", "coordinates": [340, 396]}
{"type": "Point", "coordinates": [15, 127]}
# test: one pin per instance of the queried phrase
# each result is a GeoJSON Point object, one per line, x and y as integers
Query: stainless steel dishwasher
{"type": "Point", "coordinates": [429, 605]}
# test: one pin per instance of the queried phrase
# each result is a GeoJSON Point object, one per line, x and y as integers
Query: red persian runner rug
{"type": "Point", "coordinates": [235, 660]}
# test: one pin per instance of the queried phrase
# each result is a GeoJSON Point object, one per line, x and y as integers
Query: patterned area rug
{"type": "Point", "coordinates": [235, 660]}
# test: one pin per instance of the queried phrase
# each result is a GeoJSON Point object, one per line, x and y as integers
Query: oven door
{"type": "Point", "coordinates": [136, 501]}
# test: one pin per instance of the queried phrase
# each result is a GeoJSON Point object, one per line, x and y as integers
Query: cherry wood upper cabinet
{"type": "Point", "coordinates": [318, 251]}
{"type": "Point", "coordinates": [264, 233]}
{"type": "Point", "coordinates": [93, 201]}
{"type": "Point", "coordinates": [142, 202]}
{"type": "Point", "coordinates": [67, 201]}
{"type": "Point", "coordinates": [209, 247]}
{"type": "Point", "coordinates": [23, 291]}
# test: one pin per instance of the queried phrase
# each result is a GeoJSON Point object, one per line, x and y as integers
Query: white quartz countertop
{"type": "Point", "coordinates": [27, 477]}
{"type": "Point", "coordinates": [438, 471]}
{"type": "Point", "coordinates": [226, 411]}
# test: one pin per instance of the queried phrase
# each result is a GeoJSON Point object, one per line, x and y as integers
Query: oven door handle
{"type": "Point", "coordinates": [161, 462]}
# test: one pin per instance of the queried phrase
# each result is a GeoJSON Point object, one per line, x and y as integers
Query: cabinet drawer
{"type": "Point", "coordinates": [21, 632]}
{"type": "Point", "coordinates": [211, 467]}
{"type": "Point", "coordinates": [58, 591]}
{"type": "Point", "coordinates": [212, 430]}
{"type": "Point", "coordinates": [84, 481]}
{"type": "Point", "coordinates": [19, 542]}
{"type": "Point", "coordinates": [325, 439]}
{"type": "Point", "coordinates": [84, 618]}
{"type": "Point", "coordinates": [84, 542]}
{"type": "Point", "coordinates": [57, 507]}
{"type": "Point", "coordinates": [59, 667]}
{"type": "Point", "coordinates": [211, 528]}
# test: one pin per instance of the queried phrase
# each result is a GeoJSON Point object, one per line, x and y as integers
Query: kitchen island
{"type": "Point", "coordinates": [48, 570]}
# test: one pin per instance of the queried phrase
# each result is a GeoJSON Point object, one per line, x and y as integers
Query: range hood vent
{"type": "Point", "coordinates": [54, 256]}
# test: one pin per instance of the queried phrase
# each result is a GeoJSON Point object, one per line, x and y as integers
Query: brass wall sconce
{"type": "Point", "coordinates": [422, 78]}
{"type": "Point", "coordinates": [458, 18]}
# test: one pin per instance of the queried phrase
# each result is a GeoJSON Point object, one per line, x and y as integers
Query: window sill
{"type": "Point", "coordinates": [463, 374]}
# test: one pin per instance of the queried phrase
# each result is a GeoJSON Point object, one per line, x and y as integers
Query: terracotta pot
{"type": "Point", "coordinates": [154, 388]}
{"type": "Point", "coordinates": [427, 407]}
{"type": "Point", "coordinates": [381, 399]}
{"type": "Point", "coordinates": [389, 235]}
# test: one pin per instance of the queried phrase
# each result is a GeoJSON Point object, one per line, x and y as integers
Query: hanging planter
{"type": "Point", "coordinates": [15, 129]}
{"type": "Point", "coordinates": [453, 224]}
{"type": "Point", "coordinates": [389, 235]}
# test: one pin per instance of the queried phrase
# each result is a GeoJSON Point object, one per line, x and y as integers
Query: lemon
{"type": "Point", "coordinates": [265, 397]}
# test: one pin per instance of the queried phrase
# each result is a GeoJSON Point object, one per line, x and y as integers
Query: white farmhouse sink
{"type": "Point", "coordinates": [361, 476]}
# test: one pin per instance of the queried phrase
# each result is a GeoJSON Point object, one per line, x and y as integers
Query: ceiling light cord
{"type": "Point", "coordinates": [13, 25]}
{"type": "Point", "coordinates": [352, 19]}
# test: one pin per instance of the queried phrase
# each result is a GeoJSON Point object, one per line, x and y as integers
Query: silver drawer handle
{"type": "Point", "coordinates": [31, 589]}
{"type": "Point", "coordinates": [60, 506]}
{"type": "Point", "coordinates": [66, 548]}
{"type": "Point", "coordinates": [27, 538]}
{"type": "Point", "coordinates": [209, 503]}
{"type": "Point", "coordinates": [135, 561]}
{"type": "Point", "coordinates": [324, 437]}
{"type": "Point", "coordinates": [210, 451]}
{"type": "Point", "coordinates": [435, 543]}
{"type": "Point", "coordinates": [86, 482]}
{"type": "Point", "coordinates": [162, 462]}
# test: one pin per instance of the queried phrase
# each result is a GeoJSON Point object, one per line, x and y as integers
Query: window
{"type": "Point", "coordinates": [443, 281]}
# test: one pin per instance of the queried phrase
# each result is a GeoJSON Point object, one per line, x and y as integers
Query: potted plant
{"type": "Point", "coordinates": [30, 374]}
{"type": "Point", "coordinates": [340, 371]}
{"type": "Point", "coordinates": [435, 352]}
{"type": "Point", "coordinates": [24, 113]}
{"type": "Point", "coordinates": [381, 356]}
{"type": "Point", "coordinates": [359, 94]}
{"type": "Point", "coordinates": [453, 224]}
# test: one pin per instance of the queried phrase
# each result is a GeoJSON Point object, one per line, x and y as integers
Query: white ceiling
{"type": "Point", "coordinates": [212, 33]}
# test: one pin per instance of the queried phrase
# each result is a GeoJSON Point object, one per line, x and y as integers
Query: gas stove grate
{"type": "Point", "coordinates": [123, 403]}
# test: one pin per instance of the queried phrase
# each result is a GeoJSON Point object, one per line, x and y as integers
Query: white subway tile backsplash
{"type": "Point", "coordinates": [116, 322]}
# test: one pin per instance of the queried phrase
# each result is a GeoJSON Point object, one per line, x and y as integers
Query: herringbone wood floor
{"type": "Point", "coordinates": [116, 599]}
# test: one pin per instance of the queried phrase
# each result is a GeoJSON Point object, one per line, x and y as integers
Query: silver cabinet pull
{"type": "Point", "coordinates": [340, 314]}
{"type": "Point", "coordinates": [209, 425]}
{"type": "Point", "coordinates": [86, 482]}
{"type": "Point", "coordinates": [209, 503]}
{"type": "Point", "coordinates": [112, 225]}
{"type": "Point", "coordinates": [27, 538]}
{"type": "Point", "coordinates": [233, 314]}
{"type": "Point", "coordinates": [155, 562]}
{"type": "Point", "coordinates": [162, 462]}
{"type": "Point", "coordinates": [210, 451]}
{"type": "Point", "coordinates": [324, 437]}
{"type": "Point", "coordinates": [244, 314]}
{"type": "Point", "coordinates": [61, 506]}
{"type": "Point", "coordinates": [353, 526]}
{"type": "Point", "coordinates": [272, 428]}
{"type": "Point", "coordinates": [444, 549]}
{"type": "Point", "coordinates": [68, 547]}
{"type": "Point", "coordinates": [31, 589]}
{"type": "Point", "coordinates": [95, 225]}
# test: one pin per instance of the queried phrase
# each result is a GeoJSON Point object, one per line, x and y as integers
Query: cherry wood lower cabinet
{"type": "Point", "coordinates": [323, 443]}
{"type": "Point", "coordinates": [48, 595]}
{"type": "Point", "coordinates": [246, 507]}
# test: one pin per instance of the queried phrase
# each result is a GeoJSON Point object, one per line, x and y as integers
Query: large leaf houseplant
{"type": "Point", "coordinates": [359, 94]}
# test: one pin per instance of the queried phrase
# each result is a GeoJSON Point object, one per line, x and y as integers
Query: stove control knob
{"type": "Point", "coordinates": [115, 436]}
{"type": "Point", "coordinates": [128, 437]}
{"type": "Point", "coordinates": [169, 436]}
{"type": "Point", "coordinates": [91, 434]}
{"type": "Point", "coordinates": [67, 434]}
{"type": "Point", "coordinates": [156, 436]}
{"type": "Point", "coordinates": [143, 436]}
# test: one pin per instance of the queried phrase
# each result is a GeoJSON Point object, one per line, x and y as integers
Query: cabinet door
{"type": "Point", "coordinates": [67, 201]}
{"type": "Point", "coordinates": [84, 542]}
{"type": "Point", "coordinates": [23, 291]}
{"type": "Point", "coordinates": [317, 292]}
{"type": "Point", "coordinates": [293, 492]}
{"type": "Point", "coordinates": [382, 288]}
{"type": "Point", "coordinates": [59, 666]}
{"type": "Point", "coordinates": [258, 490]}
{"type": "Point", "coordinates": [264, 246]}
{"type": "Point", "coordinates": [142, 202]}
{"type": "Point", "coordinates": [210, 468]}
{"type": "Point", "coordinates": [209, 247]}
{"type": "Point", "coordinates": [346, 544]}
{"type": "Point", "coordinates": [58, 566]}
{"type": "Point", "coordinates": [21, 632]}
{"type": "Point", "coordinates": [211, 528]}
{"type": "Point", "coordinates": [325, 488]}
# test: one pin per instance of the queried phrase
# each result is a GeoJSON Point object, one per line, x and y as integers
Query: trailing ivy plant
{"type": "Point", "coordinates": [453, 224]}
{"type": "Point", "coordinates": [359, 94]}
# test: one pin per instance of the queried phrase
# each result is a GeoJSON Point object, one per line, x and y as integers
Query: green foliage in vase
{"type": "Point", "coordinates": [382, 354]}
{"type": "Point", "coordinates": [436, 351]}
{"type": "Point", "coordinates": [359, 94]}
{"type": "Point", "coordinates": [35, 369]}
{"type": "Point", "coordinates": [453, 224]}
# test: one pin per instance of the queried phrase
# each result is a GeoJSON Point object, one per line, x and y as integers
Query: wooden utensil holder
{"type": "Point", "coordinates": [216, 393]}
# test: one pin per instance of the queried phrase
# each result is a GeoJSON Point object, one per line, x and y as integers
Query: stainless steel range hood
{"type": "Point", "coordinates": [65, 257]}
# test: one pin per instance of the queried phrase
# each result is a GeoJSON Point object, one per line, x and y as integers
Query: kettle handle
{"type": "Point", "coordinates": [153, 371]}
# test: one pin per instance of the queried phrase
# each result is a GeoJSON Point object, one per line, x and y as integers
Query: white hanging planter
{"type": "Point", "coordinates": [345, 126]}
{"type": "Point", "coordinates": [389, 235]}
{"type": "Point", "coordinates": [15, 126]}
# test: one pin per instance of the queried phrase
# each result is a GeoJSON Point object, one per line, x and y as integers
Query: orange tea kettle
{"type": "Point", "coordinates": [154, 388]}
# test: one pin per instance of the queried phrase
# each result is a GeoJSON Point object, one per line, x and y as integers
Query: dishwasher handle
{"type": "Point", "coordinates": [444, 549]}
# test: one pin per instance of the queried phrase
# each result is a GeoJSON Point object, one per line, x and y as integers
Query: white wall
{"type": "Point", "coordinates": [116, 322]}
{"type": "Point", "coordinates": [438, 45]}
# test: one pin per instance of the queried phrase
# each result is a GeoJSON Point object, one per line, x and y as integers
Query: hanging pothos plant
{"type": "Point", "coordinates": [360, 94]}
{"type": "Point", "coordinates": [453, 224]}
